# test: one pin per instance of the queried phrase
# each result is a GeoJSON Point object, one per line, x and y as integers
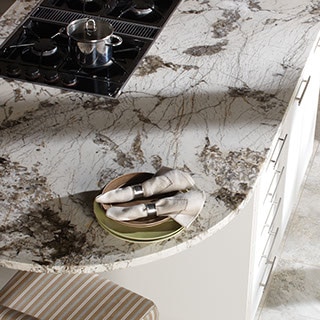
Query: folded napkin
{"type": "Point", "coordinates": [183, 208]}
{"type": "Point", "coordinates": [164, 181]}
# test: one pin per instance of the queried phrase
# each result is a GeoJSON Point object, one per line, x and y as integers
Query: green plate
{"type": "Point", "coordinates": [162, 231]}
{"type": "Point", "coordinates": [141, 241]}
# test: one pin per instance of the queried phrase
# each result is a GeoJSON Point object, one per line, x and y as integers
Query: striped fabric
{"type": "Point", "coordinates": [11, 314]}
{"type": "Point", "coordinates": [73, 296]}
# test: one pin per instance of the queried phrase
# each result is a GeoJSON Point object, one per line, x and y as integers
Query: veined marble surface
{"type": "Point", "coordinates": [208, 99]}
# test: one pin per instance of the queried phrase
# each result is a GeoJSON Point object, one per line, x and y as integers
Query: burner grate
{"type": "Point", "coordinates": [121, 27]}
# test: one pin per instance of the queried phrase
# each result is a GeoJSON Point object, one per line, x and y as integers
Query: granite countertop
{"type": "Point", "coordinates": [207, 99]}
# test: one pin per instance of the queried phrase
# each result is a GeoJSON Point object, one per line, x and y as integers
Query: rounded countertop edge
{"type": "Point", "coordinates": [137, 261]}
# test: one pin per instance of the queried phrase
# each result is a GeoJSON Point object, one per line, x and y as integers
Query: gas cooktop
{"type": "Point", "coordinates": [39, 50]}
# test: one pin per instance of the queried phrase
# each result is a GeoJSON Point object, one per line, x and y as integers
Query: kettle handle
{"type": "Point", "coordinates": [90, 27]}
{"type": "Point", "coordinates": [118, 40]}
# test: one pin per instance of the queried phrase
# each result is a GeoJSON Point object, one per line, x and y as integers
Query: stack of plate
{"type": "Point", "coordinates": [140, 230]}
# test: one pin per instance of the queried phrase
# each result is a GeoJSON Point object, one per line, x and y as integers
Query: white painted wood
{"type": "Point", "coordinates": [297, 130]}
{"type": "Point", "coordinates": [208, 281]}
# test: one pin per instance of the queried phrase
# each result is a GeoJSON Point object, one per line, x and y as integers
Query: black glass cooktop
{"type": "Point", "coordinates": [39, 49]}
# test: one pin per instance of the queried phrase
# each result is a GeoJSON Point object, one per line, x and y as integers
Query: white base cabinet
{"type": "Point", "coordinates": [225, 276]}
{"type": "Point", "coordinates": [206, 281]}
{"type": "Point", "coordinates": [278, 187]}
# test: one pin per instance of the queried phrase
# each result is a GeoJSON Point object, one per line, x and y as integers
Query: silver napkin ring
{"type": "Point", "coordinates": [151, 210]}
{"type": "Point", "coordinates": [137, 191]}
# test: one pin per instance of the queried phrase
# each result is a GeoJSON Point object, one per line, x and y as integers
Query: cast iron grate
{"type": "Point", "coordinates": [121, 27]}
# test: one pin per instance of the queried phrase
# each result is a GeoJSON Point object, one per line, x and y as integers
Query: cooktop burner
{"type": "Point", "coordinates": [154, 12]}
{"type": "Point", "coordinates": [89, 6]}
{"type": "Point", "coordinates": [44, 47]}
{"type": "Point", "coordinates": [40, 51]}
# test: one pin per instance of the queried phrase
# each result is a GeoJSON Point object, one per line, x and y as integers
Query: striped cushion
{"type": "Point", "coordinates": [11, 314]}
{"type": "Point", "coordinates": [74, 296]}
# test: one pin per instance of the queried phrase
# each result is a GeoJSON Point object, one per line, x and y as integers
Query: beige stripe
{"type": "Point", "coordinates": [115, 305]}
{"type": "Point", "coordinates": [47, 304]}
{"type": "Point", "coordinates": [133, 309]}
{"type": "Point", "coordinates": [125, 295]}
{"type": "Point", "coordinates": [71, 297]}
{"type": "Point", "coordinates": [56, 281]}
{"type": "Point", "coordinates": [94, 286]}
{"type": "Point", "coordinates": [11, 286]}
{"type": "Point", "coordinates": [12, 314]}
{"type": "Point", "coordinates": [107, 289]}
{"type": "Point", "coordinates": [153, 314]}
{"type": "Point", "coordinates": [106, 301]}
{"type": "Point", "coordinates": [127, 305]}
{"type": "Point", "coordinates": [80, 300]}
{"type": "Point", "coordinates": [22, 316]}
{"type": "Point", "coordinates": [149, 316]}
{"type": "Point", "coordinates": [4, 311]}
{"type": "Point", "coordinates": [24, 294]}
{"type": "Point", "coordinates": [59, 294]}
{"type": "Point", "coordinates": [48, 299]}
{"type": "Point", "coordinates": [139, 310]}
{"type": "Point", "coordinates": [46, 284]}
{"type": "Point", "coordinates": [34, 283]}
{"type": "Point", "coordinates": [83, 303]}
{"type": "Point", "coordinates": [109, 303]}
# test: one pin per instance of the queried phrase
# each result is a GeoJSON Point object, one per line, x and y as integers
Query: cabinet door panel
{"type": "Point", "coordinates": [277, 193]}
{"type": "Point", "coordinates": [309, 107]}
{"type": "Point", "coordinates": [300, 125]}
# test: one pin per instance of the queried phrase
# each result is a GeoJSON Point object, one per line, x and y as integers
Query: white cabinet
{"type": "Point", "coordinates": [207, 281]}
{"type": "Point", "coordinates": [307, 105]}
{"type": "Point", "coordinates": [268, 199]}
{"type": "Point", "coordinates": [299, 123]}
{"type": "Point", "coordinates": [278, 188]}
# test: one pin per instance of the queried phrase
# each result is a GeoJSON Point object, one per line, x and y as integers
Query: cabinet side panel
{"type": "Point", "coordinates": [207, 281]}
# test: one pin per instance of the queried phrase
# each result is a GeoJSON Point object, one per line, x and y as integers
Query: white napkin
{"type": "Point", "coordinates": [183, 208]}
{"type": "Point", "coordinates": [164, 181]}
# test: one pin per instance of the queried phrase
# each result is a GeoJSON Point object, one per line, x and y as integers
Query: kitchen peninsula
{"type": "Point", "coordinates": [212, 98]}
